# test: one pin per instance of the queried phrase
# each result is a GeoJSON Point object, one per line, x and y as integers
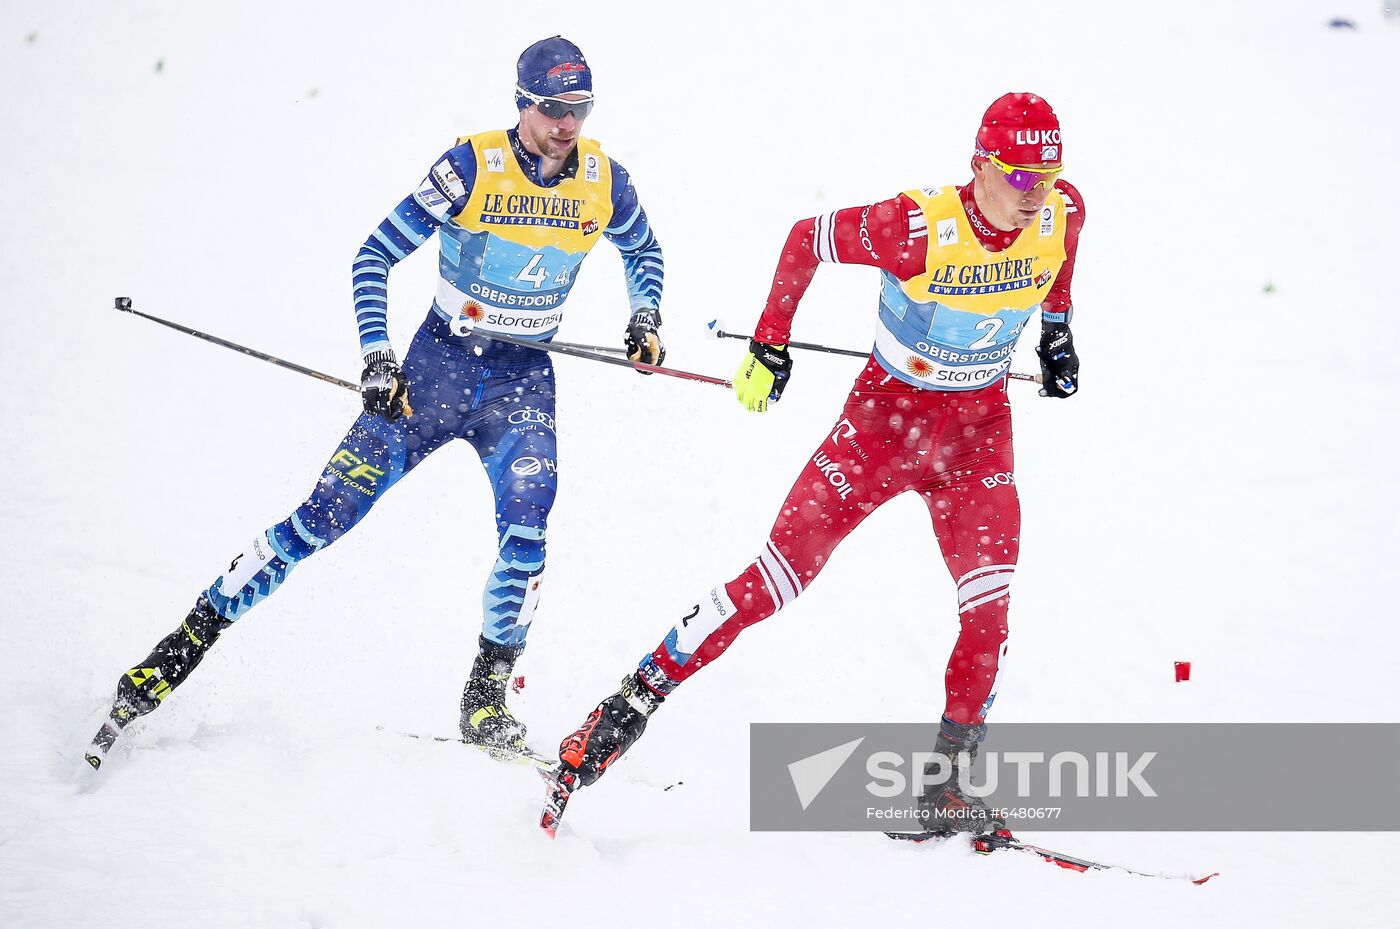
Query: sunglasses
{"type": "Point", "coordinates": [1024, 179]}
{"type": "Point", "coordinates": [557, 107]}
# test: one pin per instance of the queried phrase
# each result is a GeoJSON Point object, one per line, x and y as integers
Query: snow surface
{"type": "Point", "coordinates": [1223, 491]}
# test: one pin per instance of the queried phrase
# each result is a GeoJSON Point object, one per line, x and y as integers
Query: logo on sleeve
{"type": "Point", "coordinates": [431, 200]}
{"type": "Point", "coordinates": [448, 181]}
{"type": "Point", "coordinates": [865, 241]}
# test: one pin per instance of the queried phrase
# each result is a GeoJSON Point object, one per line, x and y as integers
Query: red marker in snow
{"type": "Point", "coordinates": [1183, 671]}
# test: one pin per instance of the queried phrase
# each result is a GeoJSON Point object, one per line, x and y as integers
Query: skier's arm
{"type": "Point", "coordinates": [1058, 307]}
{"type": "Point", "coordinates": [890, 235]}
{"type": "Point", "coordinates": [1059, 363]}
{"type": "Point", "coordinates": [642, 267]}
{"type": "Point", "coordinates": [641, 253]}
{"type": "Point", "coordinates": [442, 194]}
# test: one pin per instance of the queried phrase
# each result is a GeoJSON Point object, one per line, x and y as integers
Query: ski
{"type": "Point", "coordinates": [559, 786]}
{"type": "Point", "coordinates": [559, 783]}
{"type": "Point", "coordinates": [1003, 840]}
{"type": "Point", "coordinates": [526, 755]}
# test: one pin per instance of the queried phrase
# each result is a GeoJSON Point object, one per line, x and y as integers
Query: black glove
{"type": "Point", "coordinates": [1059, 365]}
{"type": "Point", "coordinates": [643, 340]}
{"type": "Point", "coordinates": [383, 387]}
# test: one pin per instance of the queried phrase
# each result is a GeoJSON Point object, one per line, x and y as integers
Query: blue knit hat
{"type": "Point", "coordinates": [552, 67]}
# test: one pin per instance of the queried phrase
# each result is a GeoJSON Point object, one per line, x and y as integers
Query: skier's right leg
{"type": "Point", "coordinates": [367, 462]}
{"type": "Point", "coordinates": [857, 467]}
{"type": "Point", "coordinates": [373, 455]}
{"type": "Point", "coordinates": [803, 537]}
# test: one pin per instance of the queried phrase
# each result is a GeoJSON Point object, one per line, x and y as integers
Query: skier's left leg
{"type": "Point", "coordinates": [977, 520]}
{"type": "Point", "coordinates": [515, 438]}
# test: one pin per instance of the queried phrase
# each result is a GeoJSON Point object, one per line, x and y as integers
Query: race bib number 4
{"type": "Point", "coordinates": [505, 264]}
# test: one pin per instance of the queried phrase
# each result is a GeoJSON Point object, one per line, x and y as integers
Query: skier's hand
{"type": "Point", "coordinates": [762, 375]}
{"type": "Point", "coordinates": [1059, 365]}
{"type": "Point", "coordinates": [383, 387]}
{"type": "Point", "coordinates": [643, 341]}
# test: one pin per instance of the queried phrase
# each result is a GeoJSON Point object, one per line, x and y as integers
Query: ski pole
{"type": "Point", "coordinates": [589, 348]}
{"type": "Point", "coordinates": [124, 305]}
{"type": "Point", "coordinates": [564, 348]}
{"type": "Point", "coordinates": [715, 330]}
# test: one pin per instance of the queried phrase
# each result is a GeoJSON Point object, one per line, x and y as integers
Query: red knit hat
{"type": "Point", "coordinates": [1021, 129]}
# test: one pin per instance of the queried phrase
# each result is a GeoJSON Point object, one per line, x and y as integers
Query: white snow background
{"type": "Point", "coordinates": [1223, 491]}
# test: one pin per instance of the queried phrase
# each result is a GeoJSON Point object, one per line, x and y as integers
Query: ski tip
{"type": "Point", "coordinates": [1202, 880]}
{"type": "Point", "coordinates": [123, 303]}
{"type": "Point", "coordinates": [560, 783]}
{"type": "Point", "coordinates": [553, 809]}
{"type": "Point", "coordinates": [106, 737]}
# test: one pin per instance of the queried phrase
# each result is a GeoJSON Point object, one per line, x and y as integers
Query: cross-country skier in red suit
{"type": "Point", "coordinates": [963, 271]}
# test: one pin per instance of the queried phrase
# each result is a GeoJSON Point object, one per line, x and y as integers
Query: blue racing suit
{"type": "Point", "coordinates": [511, 244]}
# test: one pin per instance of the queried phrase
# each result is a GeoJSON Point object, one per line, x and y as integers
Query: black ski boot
{"type": "Point", "coordinates": [142, 688]}
{"type": "Point", "coordinates": [945, 808]}
{"type": "Point", "coordinates": [607, 733]}
{"type": "Point", "coordinates": [486, 720]}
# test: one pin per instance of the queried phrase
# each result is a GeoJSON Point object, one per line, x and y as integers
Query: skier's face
{"type": "Point", "coordinates": [1006, 207]}
{"type": "Point", "coordinates": [551, 138]}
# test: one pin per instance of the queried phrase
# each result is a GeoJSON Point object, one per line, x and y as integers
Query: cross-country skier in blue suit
{"type": "Point", "coordinates": [516, 211]}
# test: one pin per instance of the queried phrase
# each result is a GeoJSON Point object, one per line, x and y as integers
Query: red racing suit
{"type": "Point", "coordinates": [953, 447]}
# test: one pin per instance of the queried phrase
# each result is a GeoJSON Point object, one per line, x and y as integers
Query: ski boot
{"type": "Point", "coordinates": [945, 808]}
{"type": "Point", "coordinates": [486, 720]}
{"type": "Point", "coordinates": [604, 737]}
{"type": "Point", "coordinates": [142, 688]}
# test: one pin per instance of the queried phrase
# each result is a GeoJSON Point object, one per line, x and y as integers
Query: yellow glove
{"type": "Point", "coordinates": [762, 375]}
